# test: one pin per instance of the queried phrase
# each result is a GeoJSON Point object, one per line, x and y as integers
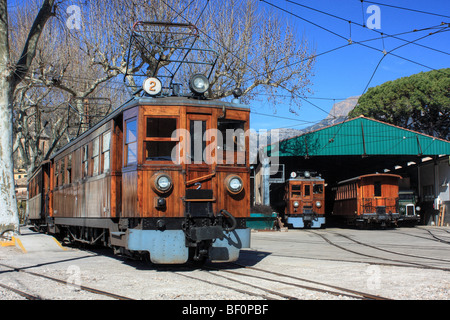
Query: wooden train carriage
{"type": "Point", "coordinates": [38, 192]}
{"type": "Point", "coordinates": [367, 199]}
{"type": "Point", "coordinates": [305, 200]}
{"type": "Point", "coordinates": [157, 176]}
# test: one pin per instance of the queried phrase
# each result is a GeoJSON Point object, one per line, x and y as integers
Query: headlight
{"type": "Point", "coordinates": [198, 84]}
{"type": "Point", "coordinates": [296, 204]}
{"type": "Point", "coordinates": [234, 184]}
{"type": "Point", "coordinates": [161, 182]}
{"type": "Point", "coordinates": [318, 204]}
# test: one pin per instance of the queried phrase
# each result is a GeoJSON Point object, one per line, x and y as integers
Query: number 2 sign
{"type": "Point", "coordinates": [152, 86]}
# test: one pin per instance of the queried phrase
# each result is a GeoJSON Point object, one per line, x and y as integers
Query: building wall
{"type": "Point", "coordinates": [434, 190]}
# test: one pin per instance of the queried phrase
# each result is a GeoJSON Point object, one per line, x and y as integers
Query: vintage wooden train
{"type": "Point", "coordinates": [368, 199]}
{"type": "Point", "coordinates": [304, 198]}
{"type": "Point", "coordinates": [159, 176]}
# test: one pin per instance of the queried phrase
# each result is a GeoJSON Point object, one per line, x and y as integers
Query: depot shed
{"type": "Point", "coordinates": [354, 147]}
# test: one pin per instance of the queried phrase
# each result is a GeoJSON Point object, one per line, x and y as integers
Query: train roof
{"type": "Point", "coordinates": [371, 175]}
{"type": "Point", "coordinates": [318, 178]}
{"type": "Point", "coordinates": [156, 101]}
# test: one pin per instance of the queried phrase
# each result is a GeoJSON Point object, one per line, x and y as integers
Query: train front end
{"type": "Point", "coordinates": [305, 200]}
{"type": "Point", "coordinates": [186, 180]}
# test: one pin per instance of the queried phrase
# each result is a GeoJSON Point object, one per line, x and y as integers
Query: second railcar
{"type": "Point", "coordinates": [368, 199]}
{"type": "Point", "coordinates": [305, 200]}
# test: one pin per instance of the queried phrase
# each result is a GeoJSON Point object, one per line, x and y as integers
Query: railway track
{"type": "Point", "coordinates": [21, 293]}
{"type": "Point", "coordinates": [34, 297]}
{"type": "Point", "coordinates": [402, 262]}
{"type": "Point", "coordinates": [341, 290]}
{"type": "Point", "coordinates": [390, 251]}
{"type": "Point", "coordinates": [262, 275]}
{"type": "Point", "coordinates": [434, 237]}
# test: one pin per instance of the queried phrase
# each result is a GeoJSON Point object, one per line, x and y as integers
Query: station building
{"type": "Point", "coordinates": [361, 146]}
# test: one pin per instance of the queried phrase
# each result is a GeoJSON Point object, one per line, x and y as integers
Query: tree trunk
{"type": "Point", "coordinates": [9, 217]}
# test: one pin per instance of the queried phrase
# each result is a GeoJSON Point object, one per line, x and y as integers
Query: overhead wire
{"type": "Point", "coordinates": [342, 37]}
{"type": "Point", "coordinates": [361, 25]}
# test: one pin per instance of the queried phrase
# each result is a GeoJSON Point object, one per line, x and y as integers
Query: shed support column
{"type": "Point", "coordinates": [266, 183]}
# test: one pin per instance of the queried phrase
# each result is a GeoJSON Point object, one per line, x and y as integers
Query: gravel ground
{"type": "Point", "coordinates": [413, 266]}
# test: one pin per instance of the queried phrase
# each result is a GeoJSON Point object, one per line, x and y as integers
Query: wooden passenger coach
{"type": "Point", "coordinates": [366, 199]}
{"type": "Point", "coordinates": [157, 175]}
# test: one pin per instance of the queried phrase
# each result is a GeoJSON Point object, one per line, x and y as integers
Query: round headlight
{"type": "Point", "coordinates": [234, 184]}
{"type": "Point", "coordinates": [417, 208]}
{"type": "Point", "coordinates": [296, 204]}
{"type": "Point", "coordinates": [318, 204]}
{"type": "Point", "coordinates": [198, 84]}
{"type": "Point", "coordinates": [161, 182]}
{"type": "Point", "coordinates": [307, 174]}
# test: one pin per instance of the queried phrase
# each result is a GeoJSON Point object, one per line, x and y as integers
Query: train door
{"type": "Point", "coordinates": [307, 192]}
{"type": "Point", "coordinates": [198, 162]}
{"type": "Point", "coordinates": [199, 170]}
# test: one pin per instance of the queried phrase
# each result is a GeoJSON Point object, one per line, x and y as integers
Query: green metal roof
{"type": "Point", "coordinates": [361, 136]}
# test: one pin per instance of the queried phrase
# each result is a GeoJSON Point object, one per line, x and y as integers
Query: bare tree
{"type": "Point", "coordinates": [11, 74]}
{"type": "Point", "coordinates": [257, 52]}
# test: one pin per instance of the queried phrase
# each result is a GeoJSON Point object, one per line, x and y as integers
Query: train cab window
{"type": "Point", "coordinates": [160, 139]}
{"type": "Point", "coordinates": [296, 190]}
{"type": "Point", "coordinates": [377, 188]}
{"type": "Point", "coordinates": [318, 188]}
{"type": "Point", "coordinates": [307, 190]}
{"type": "Point", "coordinates": [161, 127]}
{"type": "Point", "coordinates": [233, 140]}
{"type": "Point", "coordinates": [131, 141]}
{"type": "Point", "coordinates": [105, 150]}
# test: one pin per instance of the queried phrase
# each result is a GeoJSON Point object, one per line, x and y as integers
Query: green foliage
{"type": "Point", "coordinates": [420, 102]}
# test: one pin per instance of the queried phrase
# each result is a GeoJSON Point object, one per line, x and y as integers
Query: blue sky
{"type": "Point", "coordinates": [346, 72]}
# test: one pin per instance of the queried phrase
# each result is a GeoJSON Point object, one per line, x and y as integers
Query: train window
{"type": "Point", "coordinates": [69, 169]}
{"type": "Point", "coordinates": [84, 161]}
{"type": "Point", "coordinates": [62, 172]}
{"type": "Point", "coordinates": [105, 150]}
{"type": "Point", "coordinates": [95, 156]}
{"type": "Point", "coordinates": [159, 142]}
{"type": "Point", "coordinates": [198, 144]}
{"type": "Point", "coordinates": [307, 190]}
{"type": "Point", "coordinates": [377, 189]}
{"type": "Point", "coordinates": [159, 150]}
{"type": "Point", "coordinates": [131, 141]}
{"type": "Point", "coordinates": [56, 173]}
{"type": "Point", "coordinates": [233, 140]}
{"type": "Point", "coordinates": [161, 127]}
{"type": "Point", "coordinates": [318, 188]}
